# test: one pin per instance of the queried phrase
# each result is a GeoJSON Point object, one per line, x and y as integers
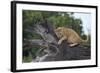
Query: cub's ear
{"type": "Point", "coordinates": [59, 29]}
{"type": "Point", "coordinates": [56, 30]}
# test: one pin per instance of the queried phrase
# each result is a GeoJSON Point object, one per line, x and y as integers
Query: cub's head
{"type": "Point", "coordinates": [59, 32]}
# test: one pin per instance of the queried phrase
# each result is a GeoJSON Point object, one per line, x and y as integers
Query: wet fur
{"type": "Point", "coordinates": [69, 35]}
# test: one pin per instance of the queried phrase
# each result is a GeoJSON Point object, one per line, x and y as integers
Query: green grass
{"type": "Point", "coordinates": [27, 59]}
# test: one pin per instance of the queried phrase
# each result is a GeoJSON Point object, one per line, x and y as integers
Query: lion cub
{"type": "Point", "coordinates": [70, 35]}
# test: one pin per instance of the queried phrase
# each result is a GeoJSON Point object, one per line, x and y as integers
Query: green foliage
{"type": "Point", "coordinates": [27, 59]}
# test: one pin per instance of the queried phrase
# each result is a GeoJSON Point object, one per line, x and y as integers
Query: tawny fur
{"type": "Point", "coordinates": [70, 35]}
